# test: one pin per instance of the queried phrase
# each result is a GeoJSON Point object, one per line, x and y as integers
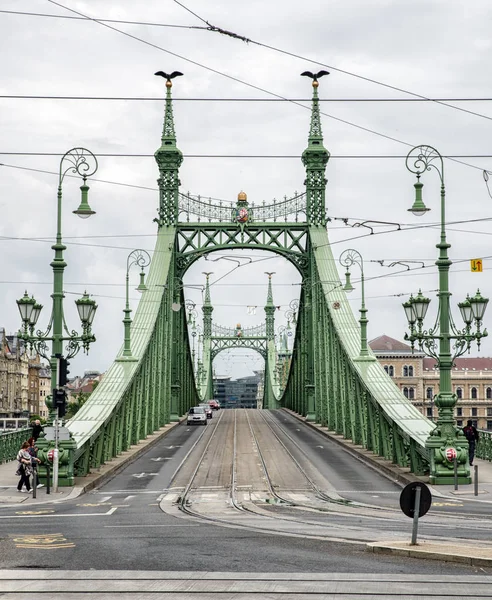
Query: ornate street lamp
{"type": "Point", "coordinates": [444, 341]}
{"type": "Point", "coordinates": [291, 314]}
{"type": "Point", "coordinates": [83, 163]}
{"type": "Point", "coordinates": [347, 259]}
{"type": "Point", "coordinates": [141, 258]}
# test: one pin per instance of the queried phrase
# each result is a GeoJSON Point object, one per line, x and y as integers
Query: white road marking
{"type": "Point", "coordinates": [128, 498]}
{"type": "Point", "coordinates": [319, 446]}
{"type": "Point", "coordinates": [55, 516]}
{"type": "Point", "coordinates": [140, 475]}
{"type": "Point", "coordinates": [161, 458]}
{"type": "Point", "coordinates": [140, 526]}
{"type": "Point", "coordinates": [105, 499]}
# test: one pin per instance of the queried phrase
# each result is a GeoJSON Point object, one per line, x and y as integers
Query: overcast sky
{"type": "Point", "coordinates": [439, 49]}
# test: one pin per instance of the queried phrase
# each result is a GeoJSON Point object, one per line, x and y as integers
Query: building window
{"type": "Point", "coordinates": [391, 372]}
{"type": "Point", "coordinates": [475, 424]}
{"type": "Point", "coordinates": [459, 423]}
{"type": "Point", "coordinates": [386, 368]}
{"type": "Point", "coordinates": [489, 411]}
{"type": "Point", "coordinates": [459, 411]}
{"type": "Point", "coordinates": [488, 394]}
{"type": "Point", "coordinates": [411, 393]}
{"type": "Point", "coordinates": [429, 393]}
{"type": "Point", "coordinates": [408, 371]}
{"type": "Point", "coordinates": [405, 392]}
{"type": "Point", "coordinates": [489, 425]}
{"type": "Point", "coordinates": [459, 393]}
{"type": "Point", "coordinates": [474, 412]}
{"type": "Point", "coordinates": [474, 394]}
{"type": "Point", "coordinates": [429, 411]}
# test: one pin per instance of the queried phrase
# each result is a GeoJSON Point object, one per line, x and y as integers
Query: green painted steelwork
{"type": "Point", "coordinates": [483, 448]}
{"type": "Point", "coordinates": [328, 382]}
{"type": "Point", "coordinates": [11, 441]}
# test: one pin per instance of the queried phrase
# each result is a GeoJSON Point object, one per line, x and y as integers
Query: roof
{"type": "Point", "coordinates": [384, 344]}
{"type": "Point", "coordinates": [472, 363]}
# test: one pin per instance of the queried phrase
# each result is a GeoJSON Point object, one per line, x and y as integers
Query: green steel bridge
{"type": "Point", "coordinates": [329, 381]}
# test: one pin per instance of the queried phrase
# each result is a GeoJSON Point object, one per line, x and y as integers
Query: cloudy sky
{"type": "Point", "coordinates": [384, 57]}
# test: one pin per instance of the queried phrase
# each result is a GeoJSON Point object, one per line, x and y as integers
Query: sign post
{"type": "Point", "coordinates": [415, 501]}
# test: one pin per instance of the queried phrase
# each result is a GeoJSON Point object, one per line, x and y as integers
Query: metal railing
{"type": "Point", "coordinates": [11, 441]}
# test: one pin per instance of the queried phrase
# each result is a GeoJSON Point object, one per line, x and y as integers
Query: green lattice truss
{"type": "Point", "coordinates": [326, 383]}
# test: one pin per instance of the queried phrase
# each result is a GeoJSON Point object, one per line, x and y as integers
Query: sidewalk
{"type": "Point", "coordinates": [9, 496]}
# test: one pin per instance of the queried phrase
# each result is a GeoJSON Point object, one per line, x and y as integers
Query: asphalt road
{"type": "Point", "coordinates": [121, 526]}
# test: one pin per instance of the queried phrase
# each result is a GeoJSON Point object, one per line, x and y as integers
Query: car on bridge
{"type": "Point", "coordinates": [196, 416]}
{"type": "Point", "coordinates": [207, 408]}
{"type": "Point", "coordinates": [214, 405]}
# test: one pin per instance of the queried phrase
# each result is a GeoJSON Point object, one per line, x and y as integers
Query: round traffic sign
{"type": "Point", "coordinates": [451, 454]}
{"type": "Point", "coordinates": [407, 499]}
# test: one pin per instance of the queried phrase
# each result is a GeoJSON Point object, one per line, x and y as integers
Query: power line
{"type": "Point", "coordinates": [418, 97]}
{"type": "Point", "coordinates": [242, 156]}
{"type": "Point", "coordinates": [222, 99]}
{"type": "Point", "coordinates": [281, 51]}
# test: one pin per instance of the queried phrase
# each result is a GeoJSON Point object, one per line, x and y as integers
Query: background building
{"type": "Point", "coordinates": [237, 393]}
{"type": "Point", "coordinates": [418, 378]}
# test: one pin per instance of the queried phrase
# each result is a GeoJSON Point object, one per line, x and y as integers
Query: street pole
{"type": "Point", "coordinates": [82, 162]}
{"type": "Point", "coordinates": [141, 258]}
{"type": "Point", "coordinates": [347, 259]}
{"type": "Point", "coordinates": [436, 341]}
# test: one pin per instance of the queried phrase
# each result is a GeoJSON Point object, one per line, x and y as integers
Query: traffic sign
{"type": "Point", "coordinates": [407, 499]}
{"type": "Point", "coordinates": [451, 454]}
{"type": "Point", "coordinates": [63, 434]}
{"type": "Point", "coordinates": [476, 265]}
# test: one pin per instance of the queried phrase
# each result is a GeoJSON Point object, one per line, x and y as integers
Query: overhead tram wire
{"type": "Point", "coordinates": [178, 99]}
{"type": "Point", "coordinates": [236, 79]}
{"type": "Point", "coordinates": [374, 81]}
{"type": "Point", "coordinates": [242, 156]}
{"type": "Point", "coordinates": [418, 97]}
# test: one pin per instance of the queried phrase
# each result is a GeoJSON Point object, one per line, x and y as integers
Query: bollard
{"type": "Point", "coordinates": [48, 478]}
{"type": "Point", "coordinates": [455, 473]}
{"type": "Point", "coordinates": [34, 481]}
{"type": "Point", "coordinates": [475, 480]}
{"type": "Point", "coordinates": [416, 511]}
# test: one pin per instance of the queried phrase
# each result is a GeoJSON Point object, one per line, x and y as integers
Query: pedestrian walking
{"type": "Point", "coordinates": [37, 429]}
{"type": "Point", "coordinates": [33, 451]}
{"type": "Point", "coordinates": [25, 468]}
{"type": "Point", "coordinates": [471, 435]}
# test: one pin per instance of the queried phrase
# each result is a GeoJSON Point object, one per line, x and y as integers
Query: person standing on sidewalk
{"type": "Point", "coordinates": [471, 435]}
{"type": "Point", "coordinates": [25, 468]}
{"type": "Point", "coordinates": [37, 429]}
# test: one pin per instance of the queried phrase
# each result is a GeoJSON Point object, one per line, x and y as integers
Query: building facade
{"type": "Point", "coordinates": [237, 393]}
{"type": "Point", "coordinates": [14, 377]}
{"type": "Point", "coordinates": [418, 378]}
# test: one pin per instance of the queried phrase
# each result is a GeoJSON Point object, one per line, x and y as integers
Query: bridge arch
{"type": "Point", "coordinates": [328, 382]}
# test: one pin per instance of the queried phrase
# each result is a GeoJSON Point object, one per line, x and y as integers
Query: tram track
{"type": "Point", "coordinates": [242, 491]}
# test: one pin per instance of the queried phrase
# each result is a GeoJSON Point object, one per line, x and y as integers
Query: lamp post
{"type": "Point", "coordinates": [83, 163]}
{"type": "Point", "coordinates": [347, 259]}
{"type": "Point", "coordinates": [444, 341]}
{"type": "Point", "coordinates": [141, 258]}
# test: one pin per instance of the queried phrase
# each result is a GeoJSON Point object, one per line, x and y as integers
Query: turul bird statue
{"type": "Point", "coordinates": [170, 76]}
{"type": "Point", "coordinates": [315, 76]}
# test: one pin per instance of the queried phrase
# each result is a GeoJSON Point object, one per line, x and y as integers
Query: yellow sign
{"type": "Point", "coordinates": [476, 265]}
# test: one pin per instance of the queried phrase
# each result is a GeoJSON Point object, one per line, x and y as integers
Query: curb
{"type": "Point", "coordinates": [415, 552]}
